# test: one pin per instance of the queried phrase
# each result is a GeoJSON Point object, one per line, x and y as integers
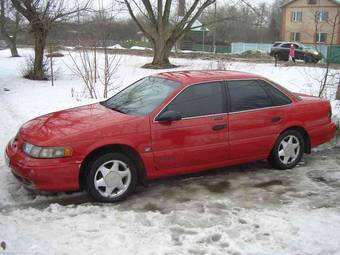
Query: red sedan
{"type": "Point", "coordinates": [168, 124]}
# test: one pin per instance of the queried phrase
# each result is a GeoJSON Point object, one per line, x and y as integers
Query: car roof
{"type": "Point", "coordinates": [288, 42]}
{"type": "Point", "coordinates": [199, 76]}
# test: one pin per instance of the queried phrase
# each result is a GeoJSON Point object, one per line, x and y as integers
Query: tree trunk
{"type": "Point", "coordinates": [10, 40]}
{"type": "Point", "coordinates": [38, 73]}
{"type": "Point", "coordinates": [162, 52]}
{"type": "Point", "coordinates": [337, 97]}
{"type": "Point", "coordinates": [13, 47]}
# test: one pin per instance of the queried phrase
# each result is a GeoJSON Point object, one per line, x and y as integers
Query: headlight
{"type": "Point", "coordinates": [46, 152]}
{"type": "Point", "coordinates": [316, 53]}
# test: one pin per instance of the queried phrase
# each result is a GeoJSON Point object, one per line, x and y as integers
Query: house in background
{"type": "Point", "coordinates": [311, 21]}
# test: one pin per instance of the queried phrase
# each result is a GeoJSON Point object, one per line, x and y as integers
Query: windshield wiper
{"type": "Point", "coordinates": [117, 110]}
{"type": "Point", "coordinates": [114, 108]}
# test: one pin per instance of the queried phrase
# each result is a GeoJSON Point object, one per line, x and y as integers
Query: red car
{"type": "Point", "coordinates": [168, 124]}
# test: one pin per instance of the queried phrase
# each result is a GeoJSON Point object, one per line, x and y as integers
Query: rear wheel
{"type": "Point", "coordinates": [111, 177]}
{"type": "Point", "coordinates": [277, 56]}
{"type": "Point", "coordinates": [288, 150]}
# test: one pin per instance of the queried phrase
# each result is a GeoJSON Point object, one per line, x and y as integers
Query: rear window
{"type": "Point", "coordinates": [247, 95]}
{"type": "Point", "coordinates": [277, 96]}
{"type": "Point", "coordinates": [286, 45]}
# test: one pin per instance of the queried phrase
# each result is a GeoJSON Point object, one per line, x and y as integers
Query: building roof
{"type": "Point", "coordinates": [198, 27]}
{"type": "Point", "coordinates": [189, 77]}
{"type": "Point", "coordinates": [290, 1]}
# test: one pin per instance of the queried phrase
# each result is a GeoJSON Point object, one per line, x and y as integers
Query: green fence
{"type": "Point", "coordinates": [333, 54]}
{"type": "Point", "coordinates": [210, 48]}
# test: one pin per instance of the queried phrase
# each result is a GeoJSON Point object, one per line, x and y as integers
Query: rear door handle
{"type": "Point", "coordinates": [219, 127]}
{"type": "Point", "coordinates": [276, 119]}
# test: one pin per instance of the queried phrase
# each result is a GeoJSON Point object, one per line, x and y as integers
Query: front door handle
{"type": "Point", "coordinates": [276, 119]}
{"type": "Point", "coordinates": [219, 127]}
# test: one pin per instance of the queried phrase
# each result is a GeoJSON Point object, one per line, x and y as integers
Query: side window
{"type": "Point", "coordinates": [277, 96]}
{"type": "Point", "coordinates": [286, 45]}
{"type": "Point", "coordinates": [199, 100]}
{"type": "Point", "coordinates": [247, 95]}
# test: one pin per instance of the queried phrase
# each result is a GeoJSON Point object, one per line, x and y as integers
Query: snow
{"type": "Point", "coordinates": [69, 48]}
{"type": "Point", "coordinates": [248, 209]}
{"type": "Point", "coordinates": [139, 48]}
{"type": "Point", "coordinates": [116, 46]}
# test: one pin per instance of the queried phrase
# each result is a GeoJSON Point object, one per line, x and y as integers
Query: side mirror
{"type": "Point", "coordinates": [169, 116]}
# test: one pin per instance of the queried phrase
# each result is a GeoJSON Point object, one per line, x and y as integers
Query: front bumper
{"type": "Point", "coordinates": [42, 174]}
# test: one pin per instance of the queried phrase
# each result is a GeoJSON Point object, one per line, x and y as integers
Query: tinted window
{"type": "Point", "coordinates": [142, 97]}
{"type": "Point", "coordinates": [287, 45]}
{"type": "Point", "coordinates": [247, 95]}
{"type": "Point", "coordinates": [277, 96]}
{"type": "Point", "coordinates": [199, 100]}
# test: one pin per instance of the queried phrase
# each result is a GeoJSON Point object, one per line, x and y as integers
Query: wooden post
{"type": "Point", "coordinates": [51, 55]}
{"type": "Point", "coordinates": [275, 56]}
{"type": "Point", "coordinates": [52, 78]}
{"type": "Point", "coordinates": [51, 63]}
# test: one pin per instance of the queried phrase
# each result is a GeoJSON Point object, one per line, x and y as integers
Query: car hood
{"type": "Point", "coordinates": [94, 120]}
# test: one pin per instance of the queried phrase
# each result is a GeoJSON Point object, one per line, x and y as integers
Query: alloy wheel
{"type": "Point", "coordinates": [112, 178]}
{"type": "Point", "coordinates": [289, 149]}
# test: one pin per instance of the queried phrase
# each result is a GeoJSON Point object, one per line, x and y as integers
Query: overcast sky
{"type": "Point", "coordinates": [124, 14]}
{"type": "Point", "coordinates": [251, 2]}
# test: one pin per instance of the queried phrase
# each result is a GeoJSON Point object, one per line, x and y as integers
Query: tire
{"type": "Point", "coordinates": [308, 59]}
{"type": "Point", "coordinates": [292, 155]}
{"type": "Point", "coordinates": [314, 60]}
{"type": "Point", "coordinates": [111, 177]}
{"type": "Point", "coordinates": [278, 56]}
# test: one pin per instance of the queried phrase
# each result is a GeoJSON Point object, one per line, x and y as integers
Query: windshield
{"type": "Point", "coordinates": [302, 45]}
{"type": "Point", "coordinates": [142, 97]}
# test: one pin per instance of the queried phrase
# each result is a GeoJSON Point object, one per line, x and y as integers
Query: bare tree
{"type": "Point", "coordinates": [334, 24]}
{"type": "Point", "coordinates": [85, 66]}
{"type": "Point", "coordinates": [153, 19]}
{"type": "Point", "coordinates": [42, 15]}
{"type": "Point", "coordinates": [10, 25]}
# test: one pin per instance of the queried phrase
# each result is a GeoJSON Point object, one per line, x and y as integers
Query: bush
{"type": "Point", "coordinates": [28, 69]}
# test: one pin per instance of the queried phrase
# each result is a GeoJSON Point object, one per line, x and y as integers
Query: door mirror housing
{"type": "Point", "coordinates": [169, 116]}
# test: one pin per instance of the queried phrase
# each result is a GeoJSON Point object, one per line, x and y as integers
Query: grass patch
{"type": "Point", "coordinates": [153, 66]}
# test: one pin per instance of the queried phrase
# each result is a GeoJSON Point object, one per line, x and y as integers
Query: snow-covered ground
{"type": "Point", "coordinates": [249, 209]}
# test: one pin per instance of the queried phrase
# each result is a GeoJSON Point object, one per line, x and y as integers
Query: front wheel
{"type": "Point", "coordinates": [111, 177]}
{"type": "Point", "coordinates": [288, 150]}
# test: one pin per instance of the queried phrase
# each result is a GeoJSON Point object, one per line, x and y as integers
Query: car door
{"type": "Point", "coordinates": [255, 119]}
{"type": "Point", "coordinates": [285, 50]}
{"type": "Point", "coordinates": [199, 139]}
{"type": "Point", "coordinates": [299, 53]}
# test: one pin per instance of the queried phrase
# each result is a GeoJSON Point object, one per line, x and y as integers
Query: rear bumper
{"type": "Point", "coordinates": [43, 174]}
{"type": "Point", "coordinates": [322, 134]}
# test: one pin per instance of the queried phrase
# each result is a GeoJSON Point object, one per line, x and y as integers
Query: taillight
{"type": "Point", "coordinates": [330, 112]}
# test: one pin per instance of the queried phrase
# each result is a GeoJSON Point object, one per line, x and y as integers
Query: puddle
{"type": "Point", "coordinates": [269, 183]}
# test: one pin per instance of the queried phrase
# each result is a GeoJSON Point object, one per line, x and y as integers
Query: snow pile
{"type": "Point", "coordinates": [139, 48]}
{"type": "Point", "coordinates": [69, 48]}
{"type": "Point", "coordinates": [116, 46]}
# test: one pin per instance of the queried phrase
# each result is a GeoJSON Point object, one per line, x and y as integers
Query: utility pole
{"type": "Point", "coordinates": [181, 8]}
{"type": "Point", "coordinates": [78, 23]}
{"type": "Point", "coordinates": [214, 31]}
{"type": "Point", "coordinates": [180, 13]}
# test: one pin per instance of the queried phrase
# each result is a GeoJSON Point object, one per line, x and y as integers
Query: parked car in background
{"type": "Point", "coordinates": [280, 50]}
{"type": "Point", "coordinates": [168, 124]}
